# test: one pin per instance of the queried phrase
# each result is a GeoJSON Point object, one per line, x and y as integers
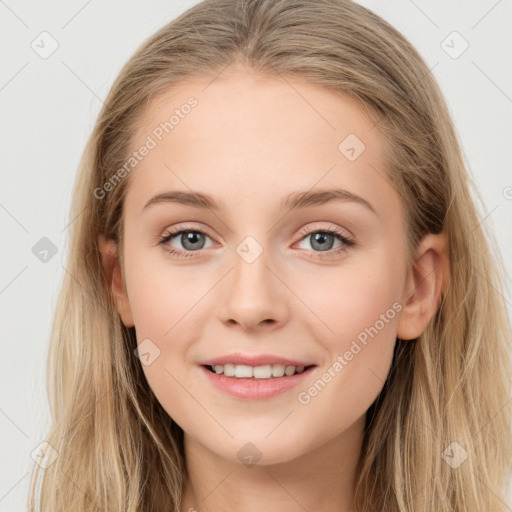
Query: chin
{"type": "Point", "coordinates": [262, 452]}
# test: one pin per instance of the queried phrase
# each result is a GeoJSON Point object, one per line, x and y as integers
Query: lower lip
{"type": "Point", "coordinates": [256, 388]}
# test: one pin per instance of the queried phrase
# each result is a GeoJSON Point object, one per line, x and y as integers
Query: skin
{"type": "Point", "coordinates": [250, 142]}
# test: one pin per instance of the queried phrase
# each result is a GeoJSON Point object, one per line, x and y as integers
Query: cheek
{"type": "Point", "coordinates": [162, 297]}
{"type": "Point", "coordinates": [359, 308]}
{"type": "Point", "coordinates": [354, 297]}
{"type": "Point", "coordinates": [165, 303]}
{"type": "Point", "coordinates": [163, 313]}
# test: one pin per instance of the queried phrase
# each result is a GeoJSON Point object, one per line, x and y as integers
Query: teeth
{"type": "Point", "coordinates": [267, 371]}
{"type": "Point", "coordinates": [229, 370]}
{"type": "Point", "coordinates": [242, 371]}
{"type": "Point", "coordinates": [289, 370]}
{"type": "Point", "coordinates": [261, 372]}
{"type": "Point", "coordinates": [278, 370]}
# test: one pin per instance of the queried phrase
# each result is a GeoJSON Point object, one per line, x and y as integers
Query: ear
{"type": "Point", "coordinates": [422, 294]}
{"type": "Point", "coordinates": [110, 261]}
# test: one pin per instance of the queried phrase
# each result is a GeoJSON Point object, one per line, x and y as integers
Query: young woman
{"type": "Point", "coordinates": [279, 293]}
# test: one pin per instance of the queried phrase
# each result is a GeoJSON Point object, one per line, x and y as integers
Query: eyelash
{"type": "Point", "coordinates": [168, 235]}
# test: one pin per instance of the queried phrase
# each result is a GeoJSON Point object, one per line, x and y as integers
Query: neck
{"type": "Point", "coordinates": [321, 478]}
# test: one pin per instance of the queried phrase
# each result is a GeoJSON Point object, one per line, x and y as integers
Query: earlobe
{"type": "Point", "coordinates": [426, 281]}
{"type": "Point", "coordinates": [116, 284]}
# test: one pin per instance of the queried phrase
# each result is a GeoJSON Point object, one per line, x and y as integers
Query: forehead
{"type": "Point", "coordinates": [240, 99]}
{"type": "Point", "coordinates": [250, 135]}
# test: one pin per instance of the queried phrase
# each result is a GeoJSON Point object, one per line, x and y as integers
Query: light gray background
{"type": "Point", "coordinates": [48, 110]}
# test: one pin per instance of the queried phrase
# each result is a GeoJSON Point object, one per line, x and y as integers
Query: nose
{"type": "Point", "coordinates": [254, 296]}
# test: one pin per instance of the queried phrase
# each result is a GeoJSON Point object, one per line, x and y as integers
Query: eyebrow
{"type": "Point", "coordinates": [300, 199]}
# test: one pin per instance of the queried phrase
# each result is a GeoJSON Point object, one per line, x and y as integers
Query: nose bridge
{"type": "Point", "coordinates": [253, 294]}
{"type": "Point", "coordinates": [252, 262]}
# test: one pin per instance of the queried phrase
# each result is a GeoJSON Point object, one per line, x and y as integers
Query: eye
{"type": "Point", "coordinates": [322, 240]}
{"type": "Point", "coordinates": [191, 240]}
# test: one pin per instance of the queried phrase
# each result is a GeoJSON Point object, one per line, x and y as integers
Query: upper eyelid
{"type": "Point", "coordinates": [316, 227]}
{"type": "Point", "coordinates": [180, 228]}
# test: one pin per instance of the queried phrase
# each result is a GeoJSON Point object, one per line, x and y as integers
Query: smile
{"type": "Point", "coordinates": [256, 372]}
{"type": "Point", "coordinates": [255, 383]}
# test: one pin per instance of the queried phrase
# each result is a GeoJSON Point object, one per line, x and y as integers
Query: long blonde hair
{"type": "Point", "coordinates": [117, 447]}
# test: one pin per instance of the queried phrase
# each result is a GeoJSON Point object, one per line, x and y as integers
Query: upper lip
{"type": "Point", "coordinates": [254, 360]}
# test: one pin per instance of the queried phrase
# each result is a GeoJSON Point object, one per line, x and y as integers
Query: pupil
{"type": "Point", "coordinates": [319, 238]}
{"type": "Point", "coordinates": [190, 237]}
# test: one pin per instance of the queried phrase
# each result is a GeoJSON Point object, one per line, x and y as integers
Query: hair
{"type": "Point", "coordinates": [118, 449]}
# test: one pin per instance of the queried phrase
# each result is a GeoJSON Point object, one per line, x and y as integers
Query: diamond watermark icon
{"type": "Point", "coordinates": [44, 250]}
{"type": "Point", "coordinates": [147, 352]}
{"type": "Point", "coordinates": [249, 249]}
{"type": "Point", "coordinates": [249, 454]}
{"type": "Point", "coordinates": [454, 45]}
{"type": "Point", "coordinates": [454, 455]}
{"type": "Point", "coordinates": [351, 147]}
{"type": "Point", "coordinates": [44, 455]}
{"type": "Point", "coordinates": [45, 45]}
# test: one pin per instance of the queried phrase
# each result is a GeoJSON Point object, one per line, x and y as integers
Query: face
{"type": "Point", "coordinates": [321, 281]}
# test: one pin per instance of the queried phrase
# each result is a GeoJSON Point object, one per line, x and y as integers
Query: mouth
{"type": "Point", "coordinates": [268, 371]}
{"type": "Point", "coordinates": [258, 382]}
